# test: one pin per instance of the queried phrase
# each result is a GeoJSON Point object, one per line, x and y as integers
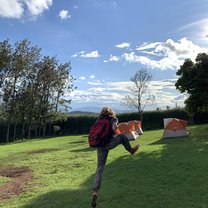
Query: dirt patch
{"type": "Point", "coordinates": [19, 177]}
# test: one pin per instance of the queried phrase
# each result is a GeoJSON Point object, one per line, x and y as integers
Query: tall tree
{"type": "Point", "coordinates": [139, 96]}
{"type": "Point", "coordinates": [5, 59]}
{"type": "Point", "coordinates": [64, 85]}
{"type": "Point", "coordinates": [46, 78]}
{"type": "Point", "coordinates": [24, 59]}
{"type": "Point", "coordinates": [33, 88]}
{"type": "Point", "coordinates": [5, 64]}
{"type": "Point", "coordinates": [22, 56]}
{"type": "Point", "coordinates": [193, 79]}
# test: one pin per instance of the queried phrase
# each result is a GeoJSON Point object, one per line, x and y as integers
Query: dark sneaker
{"type": "Point", "coordinates": [134, 149]}
{"type": "Point", "coordinates": [94, 199]}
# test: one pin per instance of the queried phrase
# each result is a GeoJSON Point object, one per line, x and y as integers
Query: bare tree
{"type": "Point", "coordinates": [140, 95]}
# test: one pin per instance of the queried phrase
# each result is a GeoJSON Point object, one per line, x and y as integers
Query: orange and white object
{"type": "Point", "coordinates": [129, 129]}
{"type": "Point", "coordinates": [135, 125]}
{"type": "Point", "coordinates": [174, 127]}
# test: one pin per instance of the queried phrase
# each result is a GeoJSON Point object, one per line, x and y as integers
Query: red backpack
{"type": "Point", "coordinates": [100, 133]}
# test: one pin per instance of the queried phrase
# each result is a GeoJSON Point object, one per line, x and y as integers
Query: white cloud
{"type": "Point", "coordinates": [92, 76]}
{"type": "Point", "coordinates": [196, 31]}
{"type": "Point", "coordinates": [17, 8]}
{"type": "Point", "coordinates": [146, 46]}
{"type": "Point", "coordinates": [123, 45]}
{"type": "Point", "coordinates": [182, 48]}
{"type": "Point", "coordinates": [74, 55]}
{"type": "Point", "coordinates": [165, 55]}
{"type": "Point", "coordinates": [113, 93]}
{"type": "Point", "coordinates": [96, 95]}
{"type": "Point", "coordinates": [95, 83]}
{"type": "Point", "coordinates": [36, 7]}
{"type": "Point", "coordinates": [92, 54]}
{"type": "Point", "coordinates": [166, 94]}
{"type": "Point", "coordinates": [82, 78]}
{"type": "Point", "coordinates": [11, 9]}
{"type": "Point", "coordinates": [64, 14]}
{"type": "Point", "coordinates": [112, 58]}
{"type": "Point", "coordinates": [83, 54]}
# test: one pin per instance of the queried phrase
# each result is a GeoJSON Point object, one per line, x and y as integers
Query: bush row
{"type": "Point", "coordinates": [81, 124]}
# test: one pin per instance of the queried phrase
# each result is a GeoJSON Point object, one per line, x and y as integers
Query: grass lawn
{"type": "Point", "coordinates": [3, 180]}
{"type": "Point", "coordinates": [171, 173]}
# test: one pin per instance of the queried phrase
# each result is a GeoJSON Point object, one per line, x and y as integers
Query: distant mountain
{"type": "Point", "coordinates": [92, 109]}
{"type": "Point", "coordinates": [87, 109]}
{"type": "Point", "coordinates": [82, 113]}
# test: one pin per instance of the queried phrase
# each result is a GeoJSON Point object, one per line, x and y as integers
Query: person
{"type": "Point", "coordinates": [102, 152]}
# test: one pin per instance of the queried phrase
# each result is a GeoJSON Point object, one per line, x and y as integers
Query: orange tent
{"type": "Point", "coordinates": [135, 125]}
{"type": "Point", "coordinates": [174, 127]}
{"type": "Point", "coordinates": [131, 129]}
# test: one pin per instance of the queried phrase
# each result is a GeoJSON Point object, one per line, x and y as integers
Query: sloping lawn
{"type": "Point", "coordinates": [171, 173]}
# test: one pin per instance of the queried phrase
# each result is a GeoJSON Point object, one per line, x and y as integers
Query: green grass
{"type": "Point", "coordinates": [163, 174]}
{"type": "Point", "coordinates": [3, 180]}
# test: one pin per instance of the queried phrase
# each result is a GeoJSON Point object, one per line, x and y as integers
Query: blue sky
{"type": "Point", "coordinates": [107, 41]}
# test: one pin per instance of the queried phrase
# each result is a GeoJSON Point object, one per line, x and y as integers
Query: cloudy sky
{"type": "Point", "coordinates": [107, 41]}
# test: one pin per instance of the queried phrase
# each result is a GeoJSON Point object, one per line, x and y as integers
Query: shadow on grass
{"type": "Point", "coordinates": [77, 142]}
{"type": "Point", "coordinates": [86, 149]}
{"type": "Point", "coordinates": [170, 140]}
{"type": "Point", "coordinates": [62, 199]}
{"type": "Point", "coordinates": [175, 176]}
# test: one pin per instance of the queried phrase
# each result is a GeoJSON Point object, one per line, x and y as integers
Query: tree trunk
{"type": "Point", "coordinates": [36, 131]}
{"type": "Point", "coordinates": [39, 132]}
{"type": "Point", "coordinates": [140, 116]}
{"type": "Point", "coordinates": [23, 130]}
{"type": "Point", "coordinates": [49, 132]}
{"type": "Point", "coordinates": [139, 112]}
{"type": "Point", "coordinates": [29, 131]}
{"type": "Point", "coordinates": [44, 129]}
{"type": "Point", "coordinates": [8, 130]}
{"type": "Point", "coordinates": [15, 130]}
{"type": "Point", "coordinates": [57, 102]}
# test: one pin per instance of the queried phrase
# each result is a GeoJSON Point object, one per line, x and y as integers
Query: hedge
{"type": "Point", "coordinates": [81, 124]}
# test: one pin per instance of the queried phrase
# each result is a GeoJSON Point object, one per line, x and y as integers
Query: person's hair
{"type": "Point", "coordinates": [106, 111]}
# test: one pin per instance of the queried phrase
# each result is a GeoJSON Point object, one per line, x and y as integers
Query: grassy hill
{"type": "Point", "coordinates": [163, 174]}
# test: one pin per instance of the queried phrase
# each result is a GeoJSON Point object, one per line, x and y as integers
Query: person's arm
{"type": "Point", "coordinates": [115, 124]}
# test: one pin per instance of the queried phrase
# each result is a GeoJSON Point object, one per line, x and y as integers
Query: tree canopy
{"type": "Point", "coordinates": [32, 87]}
{"type": "Point", "coordinates": [193, 79]}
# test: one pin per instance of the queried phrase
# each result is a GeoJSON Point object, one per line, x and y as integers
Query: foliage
{"type": "Point", "coordinates": [193, 79]}
{"type": "Point", "coordinates": [67, 124]}
{"type": "Point", "coordinates": [32, 88]}
{"type": "Point", "coordinates": [164, 173]}
{"type": "Point", "coordinates": [200, 117]}
{"type": "Point", "coordinates": [154, 119]}
{"type": "Point", "coordinates": [151, 120]}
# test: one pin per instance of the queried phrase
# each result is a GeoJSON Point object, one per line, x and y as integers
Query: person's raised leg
{"type": "Point", "coordinates": [122, 139]}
